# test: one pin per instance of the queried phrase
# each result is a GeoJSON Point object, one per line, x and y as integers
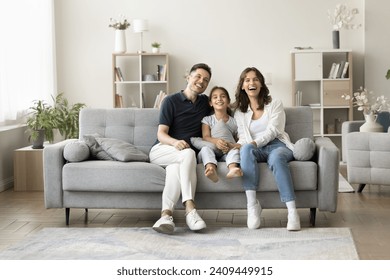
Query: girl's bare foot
{"type": "Point", "coordinates": [234, 172]}
{"type": "Point", "coordinates": [211, 173]}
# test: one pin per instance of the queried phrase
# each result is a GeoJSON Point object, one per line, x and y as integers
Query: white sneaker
{"type": "Point", "coordinates": [194, 221]}
{"type": "Point", "coordinates": [164, 225]}
{"type": "Point", "coordinates": [254, 212]}
{"type": "Point", "coordinates": [293, 221]}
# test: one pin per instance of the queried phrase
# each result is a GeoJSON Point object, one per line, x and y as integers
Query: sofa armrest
{"type": "Point", "coordinates": [348, 127]}
{"type": "Point", "coordinates": [53, 162]}
{"type": "Point", "coordinates": [328, 161]}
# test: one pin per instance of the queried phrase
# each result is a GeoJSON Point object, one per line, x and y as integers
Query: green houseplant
{"type": "Point", "coordinates": [67, 116]}
{"type": "Point", "coordinates": [156, 47]}
{"type": "Point", "coordinates": [40, 123]}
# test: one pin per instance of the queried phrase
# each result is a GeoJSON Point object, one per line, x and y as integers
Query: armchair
{"type": "Point", "coordinates": [367, 154]}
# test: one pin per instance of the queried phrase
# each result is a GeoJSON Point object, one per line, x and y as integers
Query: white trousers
{"type": "Point", "coordinates": [180, 173]}
{"type": "Point", "coordinates": [207, 155]}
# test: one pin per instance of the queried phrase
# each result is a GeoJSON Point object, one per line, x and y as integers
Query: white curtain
{"type": "Point", "coordinates": [27, 56]}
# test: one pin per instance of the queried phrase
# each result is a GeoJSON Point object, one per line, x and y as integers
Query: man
{"type": "Point", "coordinates": [180, 119]}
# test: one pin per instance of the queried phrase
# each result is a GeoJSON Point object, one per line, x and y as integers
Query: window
{"type": "Point", "coordinates": [27, 56]}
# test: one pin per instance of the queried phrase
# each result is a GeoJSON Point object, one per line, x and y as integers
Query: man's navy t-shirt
{"type": "Point", "coordinates": [184, 117]}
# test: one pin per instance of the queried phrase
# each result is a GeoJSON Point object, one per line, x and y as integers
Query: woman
{"type": "Point", "coordinates": [261, 134]}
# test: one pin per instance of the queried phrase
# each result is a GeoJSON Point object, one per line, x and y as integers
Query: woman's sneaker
{"type": "Point", "coordinates": [293, 221]}
{"type": "Point", "coordinates": [164, 225]}
{"type": "Point", "coordinates": [254, 212]}
{"type": "Point", "coordinates": [194, 221]}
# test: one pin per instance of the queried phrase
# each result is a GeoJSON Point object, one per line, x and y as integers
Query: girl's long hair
{"type": "Point", "coordinates": [242, 99]}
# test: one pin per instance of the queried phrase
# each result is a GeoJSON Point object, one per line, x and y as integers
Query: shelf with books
{"type": "Point", "coordinates": [319, 79]}
{"type": "Point", "coordinates": [138, 78]}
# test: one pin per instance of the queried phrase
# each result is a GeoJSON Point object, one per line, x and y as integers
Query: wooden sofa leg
{"type": "Point", "coordinates": [361, 187]}
{"type": "Point", "coordinates": [67, 214]}
{"type": "Point", "coordinates": [313, 217]}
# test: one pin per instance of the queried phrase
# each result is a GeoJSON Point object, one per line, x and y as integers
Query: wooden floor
{"type": "Point", "coordinates": [367, 214]}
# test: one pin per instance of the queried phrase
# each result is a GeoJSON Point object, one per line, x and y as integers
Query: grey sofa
{"type": "Point", "coordinates": [367, 154]}
{"type": "Point", "coordinates": [103, 184]}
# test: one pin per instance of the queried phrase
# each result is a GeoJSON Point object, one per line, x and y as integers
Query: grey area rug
{"type": "Point", "coordinates": [213, 243]}
{"type": "Point", "coordinates": [344, 186]}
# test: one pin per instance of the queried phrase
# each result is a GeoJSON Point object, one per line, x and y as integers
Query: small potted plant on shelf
{"type": "Point", "coordinates": [40, 123]}
{"type": "Point", "coordinates": [156, 47]}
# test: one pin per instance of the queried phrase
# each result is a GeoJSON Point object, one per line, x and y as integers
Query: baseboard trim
{"type": "Point", "coordinates": [6, 184]}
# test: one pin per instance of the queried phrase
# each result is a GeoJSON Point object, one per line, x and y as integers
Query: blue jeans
{"type": "Point", "coordinates": [277, 156]}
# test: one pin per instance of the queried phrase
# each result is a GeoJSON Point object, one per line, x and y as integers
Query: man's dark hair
{"type": "Point", "coordinates": [201, 66]}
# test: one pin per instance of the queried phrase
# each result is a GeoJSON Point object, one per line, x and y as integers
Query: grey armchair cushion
{"type": "Point", "coordinates": [76, 151]}
{"type": "Point", "coordinates": [121, 150]}
{"type": "Point", "coordinates": [96, 150]}
{"type": "Point", "coordinates": [304, 149]}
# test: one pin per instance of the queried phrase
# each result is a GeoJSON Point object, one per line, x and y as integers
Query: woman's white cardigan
{"type": "Point", "coordinates": [275, 128]}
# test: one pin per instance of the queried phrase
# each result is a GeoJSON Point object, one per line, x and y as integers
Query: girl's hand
{"type": "Point", "coordinates": [223, 145]}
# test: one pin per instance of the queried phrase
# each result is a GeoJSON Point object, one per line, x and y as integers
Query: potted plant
{"type": "Point", "coordinates": [156, 47]}
{"type": "Point", "coordinates": [67, 116]}
{"type": "Point", "coordinates": [40, 123]}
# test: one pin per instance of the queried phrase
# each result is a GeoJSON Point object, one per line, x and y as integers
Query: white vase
{"type": "Point", "coordinates": [371, 125]}
{"type": "Point", "coordinates": [120, 41]}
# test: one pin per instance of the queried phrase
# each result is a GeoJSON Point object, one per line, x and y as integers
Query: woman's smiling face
{"type": "Point", "coordinates": [251, 84]}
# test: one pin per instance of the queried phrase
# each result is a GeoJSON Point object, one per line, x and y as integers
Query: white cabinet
{"type": "Point", "coordinates": [138, 78]}
{"type": "Point", "coordinates": [313, 85]}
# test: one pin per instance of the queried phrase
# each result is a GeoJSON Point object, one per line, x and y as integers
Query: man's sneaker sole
{"type": "Point", "coordinates": [164, 228]}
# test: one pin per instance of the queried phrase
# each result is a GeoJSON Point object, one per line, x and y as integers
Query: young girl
{"type": "Point", "coordinates": [220, 129]}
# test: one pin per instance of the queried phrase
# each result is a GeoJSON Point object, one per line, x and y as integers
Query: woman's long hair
{"type": "Point", "coordinates": [242, 99]}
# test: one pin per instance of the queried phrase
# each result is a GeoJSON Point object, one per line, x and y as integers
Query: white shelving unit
{"type": "Point", "coordinates": [312, 86]}
{"type": "Point", "coordinates": [140, 81]}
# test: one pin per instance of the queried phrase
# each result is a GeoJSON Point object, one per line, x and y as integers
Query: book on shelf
{"type": "Point", "coordinates": [117, 76]}
{"type": "Point", "coordinates": [162, 72]}
{"type": "Point", "coordinates": [118, 101]}
{"type": "Point", "coordinates": [159, 98]}
{"type": "Point", "coordinates": [332, 69]}
{"type": "Point", "coordinates": [298, 98]}
{"type": "Point", "coordinates": [120, 74]}
{"type": "Point", "coordinates": [345, 69]}
{"type": "Point", "coordinates": [340, 70]}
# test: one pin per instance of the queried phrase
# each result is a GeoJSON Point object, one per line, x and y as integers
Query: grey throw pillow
{"type": "Point", "coordinates": [199, 143]}
{"type": "Point", "coordinates": [304, 149]}
{"type": "Point", "coordinates": [96, 150]}
{"type": "Point", "coordinates": [121, 150]}
{"type": "Point", "coordinates": [76, 151]}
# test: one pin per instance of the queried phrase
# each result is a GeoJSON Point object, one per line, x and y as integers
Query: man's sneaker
{"type": "Point", "coordinates": [254, 212]}
{"type": "Point", "coordinates": [164, 225]}
{"type": "Point", "coordinates": [293, 221]}
{"type": "Point", "coordinates": [194, 221]}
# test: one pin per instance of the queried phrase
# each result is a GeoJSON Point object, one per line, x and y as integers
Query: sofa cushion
{"type": "Point", "coordinates": [113, 176]}
{"type": "Point", "coordinates": [96, 150]}
{"type": "Point", "coordinates": [121, 150]}
{"type": "Point", "coordinates": [76, 151]}
{"type": "Point", "coordinates": [304, 149]}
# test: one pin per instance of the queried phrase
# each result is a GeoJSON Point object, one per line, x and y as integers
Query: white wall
{"type": "Point", "coordinates": [229, 35]}
{"type": "Point", "coordinates": [377, 46]}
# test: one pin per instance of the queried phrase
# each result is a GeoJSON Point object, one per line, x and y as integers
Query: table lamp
{"type": "Point", "coordinates": [139, 26]}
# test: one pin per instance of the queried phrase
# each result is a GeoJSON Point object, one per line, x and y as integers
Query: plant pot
{"type": "Point", "coordinates": [155, 50]}
{"type": "Point", "coordinates": [38, 142]}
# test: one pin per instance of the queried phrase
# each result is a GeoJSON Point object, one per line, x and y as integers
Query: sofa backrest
{"type": "Point", "coordinates": [133, 125]}
{"type": "Point", "coordinates": [139, 126]}
{"type": "Point", "coordinates": [299, 122]}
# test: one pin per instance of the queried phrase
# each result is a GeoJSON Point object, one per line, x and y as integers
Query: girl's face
{"type": "Point", "coordinates": [251, 84]}
{"type": "Point", "coordinates": [219, 100]}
